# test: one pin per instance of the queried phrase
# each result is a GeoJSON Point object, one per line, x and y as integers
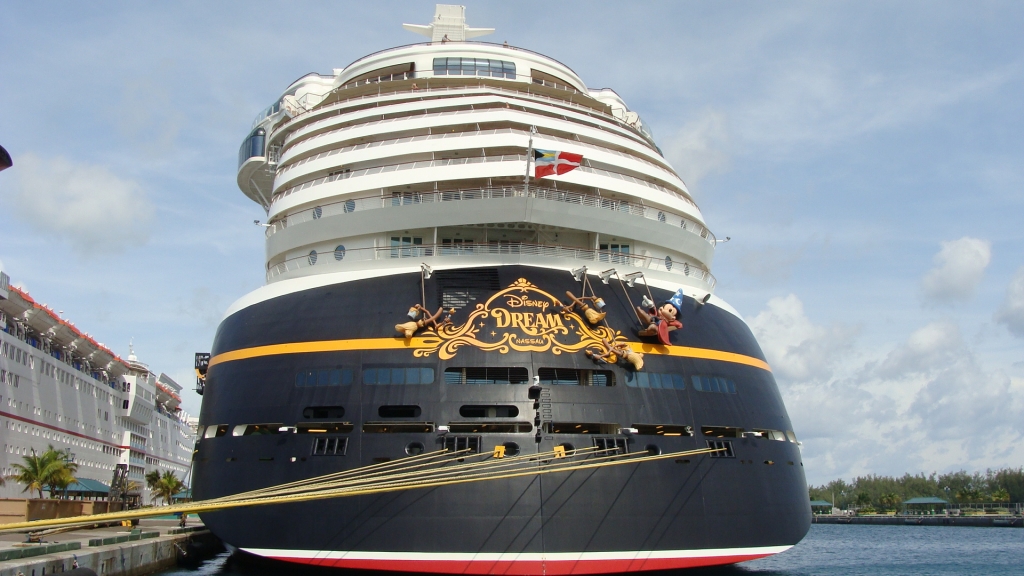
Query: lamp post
{"type": "Point", "coordinates": [68, 456]}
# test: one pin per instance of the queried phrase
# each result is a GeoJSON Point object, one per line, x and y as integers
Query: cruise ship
{"type": "Point", "coordinates": [60, 387]}
{"type": "Point", "coordinates": [467, 248]}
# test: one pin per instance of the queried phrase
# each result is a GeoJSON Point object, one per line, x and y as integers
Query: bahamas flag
{"type": "Point", "coordinates": [553, 162]}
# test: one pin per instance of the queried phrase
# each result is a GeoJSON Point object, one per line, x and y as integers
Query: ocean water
{"type": "Point", "coordinates": [827, 550]}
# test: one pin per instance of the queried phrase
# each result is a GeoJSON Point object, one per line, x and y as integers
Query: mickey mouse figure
{"type": "Point", "coordinates": [662, 320]}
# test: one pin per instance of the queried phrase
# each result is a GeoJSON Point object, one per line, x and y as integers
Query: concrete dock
{"type": "Point", "coordinates": [151, 546]}
{"type": "Point", "coordinates": [991, 521]}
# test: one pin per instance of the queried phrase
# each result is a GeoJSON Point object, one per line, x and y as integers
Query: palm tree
{"type": "Point", "coordinates": [167, 487]}
{"type": "Point", "coordinates": [38, 471]}
{"type": "Point", "coordinates": [152, 478]}
{"type": "Point", "coordinates": [1000, 495]}
{"type": "Point", "coordinates": [63, 476]}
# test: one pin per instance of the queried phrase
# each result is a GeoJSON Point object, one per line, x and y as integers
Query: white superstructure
{"type": "Point", "coordinates": [418, 154]}
{"type": "Point", "coordinates": [60, 387]}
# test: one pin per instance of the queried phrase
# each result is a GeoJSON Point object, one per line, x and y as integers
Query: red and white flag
{"type": "Point", "coordinates": [553, 162]}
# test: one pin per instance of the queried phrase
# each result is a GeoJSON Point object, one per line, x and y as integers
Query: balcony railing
{"type": "Point", "coordinates": [342, 259]}
{"type": "Point", "coordinates": [309, 102]}
{"type": "Point", "coordinates": [345, 174]}
{"type": "Point", "coordinates": [447, 135]}
{"type": "Point", "coordinates": [589, 200]}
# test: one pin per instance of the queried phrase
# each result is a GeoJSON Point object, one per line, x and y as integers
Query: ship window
{"type": "Point", "coordinates": [771, 434]}
{"type": "Point", "coordinates": [329, 446]}
{"type": "Point", "coordinates": [414, 449]}
{"type": "Point", "coordinates": [252, 146]}
{"type": "Point", "coordinates": [721, 431]}
{"type": "Point", "coordinates": [323, 412]}
{"type": "Point", "coordinates": [339, 252]}
{"type": "Point", "coordinates": [397, 427]}
{"type": "Point", "coordinates": [455, 443]}
{"type": "Point", "coordinates": [655, 380]}
{"type": "Point", "coordinates": [402, 247]}
{"type": "Point", "coordinates": [396, 375]}
{"type": "Point", "coordinates": [458, 66]}
{"type": "Point", "coordinates": [574, 377]}
{"type": "Point", "coordinates": [791, 436]}
{"type": "Point", "coordinates": [399, 411]}
{"type": "Point", "coordinates": [724, 449]}
{"type": "Point", "coordinates": [619, 253]}
{"type": "Point", "coordinates": [608, 446]}
{"type": "Point", "coordinates": [486, 375]}
{"type": "Point", "coordinates": [580, 428]}
{"type": "Point", "coordinates": [458, 288]}
{"type": "Point", "coordinates": [511, 449]}
{"type": "Point", "coordinates": [663, 430]}
{"type": "Point", "coordinates": [216, 430]}
{"type": "Point", "coordinates": [312, 257]}
{"type": "Point", "coordinates": [256, 429]}
{"type": "Point", "coordinates": [471, 411]}
{"type": "Point", "coordinates": [314, 377]}
{"type": "Point", "coordinates": [490, 427]}
{"type": "Point", "coordinates": [323, 428]}
{"type": "Point", "coordinates": [713, 384]}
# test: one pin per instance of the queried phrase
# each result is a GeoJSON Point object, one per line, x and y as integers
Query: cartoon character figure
{"type": "Point", "coordinates": [593, 316]}
{"type": "Point", "coordinates": [614, 353]}
{"type": "Point", "coordinates": [662, 320]}
{"type": "Point", "coordinates": [407, 329]}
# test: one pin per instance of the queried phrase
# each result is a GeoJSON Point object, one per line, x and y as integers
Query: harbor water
{"type": "Point", "coordinates": [827, 550]}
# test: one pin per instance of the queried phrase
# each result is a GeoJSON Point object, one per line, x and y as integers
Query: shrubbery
{"type": "Point", "coordinates": [887, 492]}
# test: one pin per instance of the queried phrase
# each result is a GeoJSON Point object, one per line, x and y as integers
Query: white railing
{"type": "Point", "coordinates": [406, 198]}
{"type": "Point", "coordinates": [426, 137]}
{"type": "Point", "coordinates": [343, 258]}
{"type": "Point", "coordinates": [309, 103]}
{"type": "Point", "coordinates": [346, 174]}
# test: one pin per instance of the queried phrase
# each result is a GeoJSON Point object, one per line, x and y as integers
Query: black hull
{"type": "Point", "coordinates": [664, 514]}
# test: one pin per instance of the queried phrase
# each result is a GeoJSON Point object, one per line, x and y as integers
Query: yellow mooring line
{"type": "Point", "coordinates": [429, 470]}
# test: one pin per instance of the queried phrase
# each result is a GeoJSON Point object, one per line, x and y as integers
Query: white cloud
{"type": "Point", "coordinates": [796, 348]}
{"type": "Point", "coordinates": [699, 147]}
{"type": "Point", "coordinates": [923, 405]}
{"type": "Point", "coordinates": [87, 205]}
{"type": "Point", "coordinates": [1011, 313]}
{"type": "Point", "coordinates": [959, 265]}
{"type": "Point", "coordinates": [936, 344]}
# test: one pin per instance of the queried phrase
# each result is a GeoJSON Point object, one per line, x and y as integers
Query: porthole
{"type": "Point", "coordinates": [568, 447]}
{"type": "Point", "coordinates": [339, 252]}
{"type": "Point", "coordinates": [317, 213]}
{"type": "Point", "coordinates": [682, 224]}
{"type": "Point", "coordinates": [350, 206]}
{"type": "Point", "coordinates": [668, 263]}
{"type": "Point", "coordinates": [653, 450]}
{"type": "Point", "coordinates": [414, 449]}
{"type": "Point", "coordinates": [511, 449]}
{"type": "Point", "coordinates": [312, 257]}
{"type": "Point", "coordinates": [661, 216]}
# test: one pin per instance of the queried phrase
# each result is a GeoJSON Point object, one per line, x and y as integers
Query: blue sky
{"type": "Point", "coordinates": [864, 157]}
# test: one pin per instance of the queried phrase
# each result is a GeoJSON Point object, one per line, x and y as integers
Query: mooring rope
{"type": "Point", "coordinates": [385, 477]}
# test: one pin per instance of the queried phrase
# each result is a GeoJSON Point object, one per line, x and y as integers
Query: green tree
{"type": "Point", "coordinates": [152, 478]}
{"type": "Point", "coordinates": [1000, 495]}
{"type": "Point", "coordinates": [48, 471]}
{"type": "Point", "coordinates": [890, 501]}
{"type": "Point", "coordinates": [167, 487]}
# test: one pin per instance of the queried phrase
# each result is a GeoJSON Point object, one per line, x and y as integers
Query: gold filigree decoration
{"type": "Point", "coordinates": [522, 318]}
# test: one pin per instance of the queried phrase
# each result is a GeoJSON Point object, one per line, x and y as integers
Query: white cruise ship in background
{"type": "Point", "coordinates": [60, 387]}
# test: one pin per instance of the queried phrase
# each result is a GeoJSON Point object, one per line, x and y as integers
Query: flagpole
{"type": "Point", "coordinates": [529, 156]}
